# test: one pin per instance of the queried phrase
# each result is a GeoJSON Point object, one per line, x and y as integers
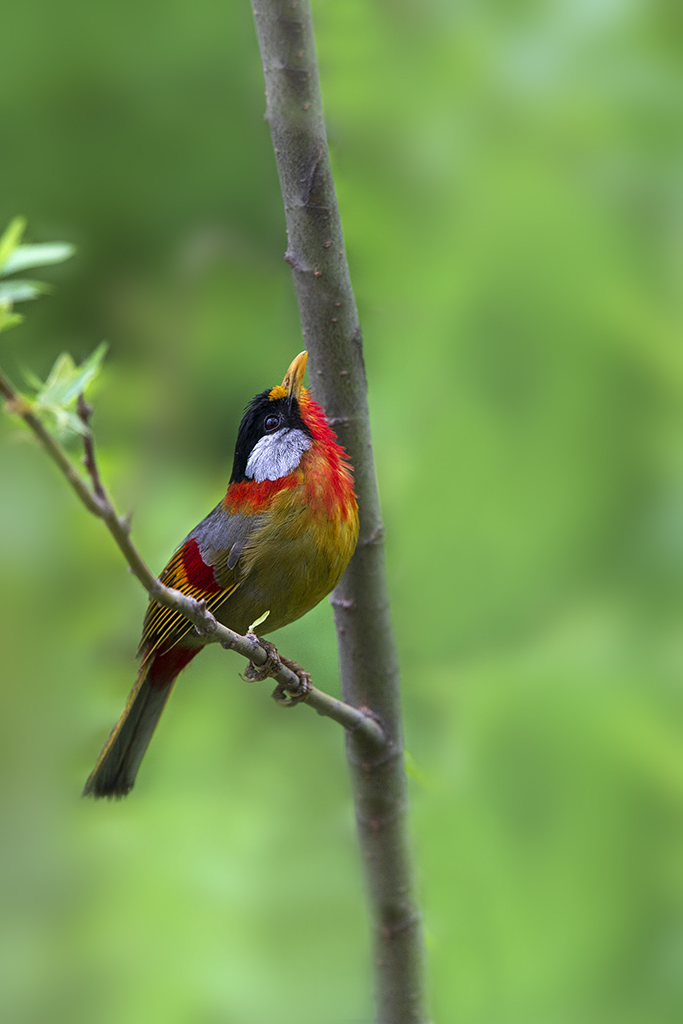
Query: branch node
{"type": "Point", "coordinates": [17, 406]}
{"type": "Point", "coordinates": [376, 537]}
{"type": "Point", "coordinates": [295, 262]}
{"type": "Point", "coordinates": [390, 931]}
{"type": "Point", "coordinates": [204, 622]}
{"type": "Point", "coordinates": [392, 753]}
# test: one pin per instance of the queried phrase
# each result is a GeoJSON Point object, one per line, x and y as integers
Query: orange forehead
{"type": "Point", "coordinates": [281, 392]}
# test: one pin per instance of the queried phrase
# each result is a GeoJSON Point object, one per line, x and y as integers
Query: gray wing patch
{"type": "Point", "coordinates": [235, 552]}
{"type": "Point", "coordinates": [221, 539]}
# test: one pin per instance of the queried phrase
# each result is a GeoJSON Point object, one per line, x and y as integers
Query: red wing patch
{"type": "Point", "coordinates": [187, 572]}
{"type": "Point", "coordinates": [198, 574]}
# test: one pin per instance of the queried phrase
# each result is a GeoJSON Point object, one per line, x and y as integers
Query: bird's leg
{"type": "Point", "coordinates": [282, 696]}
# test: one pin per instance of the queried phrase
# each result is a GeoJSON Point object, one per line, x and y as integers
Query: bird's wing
{"type": "Point", "coordinates": [206, 567]}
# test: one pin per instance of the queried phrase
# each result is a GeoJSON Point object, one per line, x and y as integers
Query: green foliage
{"type": "Point", "coordinates": [19, 291]}
{"type": "Point", "coordinates": [55, 400]}
{"type": "Point", "coordinates": [24, 257]}
{"type": "Point", "coordinates": [15, 257]}
{"type": "Point", "coordinates": [7, 318]}
{"type": "Point", "coordinates": [10, 239]}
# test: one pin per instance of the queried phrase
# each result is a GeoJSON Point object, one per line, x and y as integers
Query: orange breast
{"type": "Point", "coordinates": [298, 554]}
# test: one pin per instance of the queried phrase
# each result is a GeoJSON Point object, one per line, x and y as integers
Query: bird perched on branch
{"type": "Point", "coordinates": [278, 542]}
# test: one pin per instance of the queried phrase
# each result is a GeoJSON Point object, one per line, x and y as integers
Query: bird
{"type": "Point", "coordinates": [277, 543]}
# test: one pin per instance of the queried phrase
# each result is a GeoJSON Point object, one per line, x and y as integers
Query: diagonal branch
{"type": "Point", "coordinates": [291, 687]}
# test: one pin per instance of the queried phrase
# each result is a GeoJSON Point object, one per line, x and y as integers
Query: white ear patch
{"type": "Point", "coordinates": [277, 454]}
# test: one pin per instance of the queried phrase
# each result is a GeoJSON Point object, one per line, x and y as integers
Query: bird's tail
{"type": "Point", "coordinates": [117, 765]}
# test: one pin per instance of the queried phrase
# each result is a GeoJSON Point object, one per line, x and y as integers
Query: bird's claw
{"type": "Point", "coordinates": [284, 697]}
{"type": "Point", "coordinates": [270, 667]}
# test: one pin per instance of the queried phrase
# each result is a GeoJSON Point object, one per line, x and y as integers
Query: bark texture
{"type": "Point", "coordinates": [331, 330]}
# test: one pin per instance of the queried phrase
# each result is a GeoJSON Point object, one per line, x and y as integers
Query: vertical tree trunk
{"type": "Point", "coordinates": [369, 665]}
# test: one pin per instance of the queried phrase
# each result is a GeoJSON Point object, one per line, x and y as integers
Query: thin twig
{"type": "Point", "coordinates": [19, 407]}
{"type": "Point", "coordinates": [85, 412]}
{"type": "Point", "coordinates": [207, 626]}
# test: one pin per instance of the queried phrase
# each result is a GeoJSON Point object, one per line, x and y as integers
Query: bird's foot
{"type": "Point", "coordinates": [270, 667]}
{"type": "Point", "coordinates": [283, 696]}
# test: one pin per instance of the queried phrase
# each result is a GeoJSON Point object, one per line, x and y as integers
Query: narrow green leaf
{"type": "Point", "coordinates": [68, 423]}
{"type": "Point", "coordinates": [20, 290]}
{"type": "Point", "coordinates": [11, 239]}
{"type": "Point", "coordinates": [25, 256]}
{"type": "Point", "coordinates": [55, 399]}
{"type": "Point", "coordinates": [66, 380]}
{"type": "Point", "coordinates": [54, 389]}
{"type": "Point", "coordinates": [8, 318]}
{"type": "Point", "coordinates": [86, 372]}
{"type": "Point", "coordinates": [414, 772]}
{"type": "Point", "coordinates": [261, 618]}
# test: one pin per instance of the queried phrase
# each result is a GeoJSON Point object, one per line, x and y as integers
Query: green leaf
{"type": "Point", "coordinates": [86, 372]}
{"type": "Point", "coordinates": [11, 239]}
{"type": "Point", "coordinates": [20, 290]}
{"type": "Point", "coordinates": [67, 423]}
{"type": "Point", "coordinates": [53, 391]}
{"type": "Point", "coordinates": [25, 256]}
{"type": "Point", "coordinates": [55, 399]}
{"type": "Point", "coordinates": [261, 618]}
{"type": "Point", "coordinates": [414, 772]}
{"type": "Point", "coordinates": [8, 318]}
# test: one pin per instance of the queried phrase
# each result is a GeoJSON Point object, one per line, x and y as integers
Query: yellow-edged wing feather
{"type": "Point", "coordinates": [165, 626]}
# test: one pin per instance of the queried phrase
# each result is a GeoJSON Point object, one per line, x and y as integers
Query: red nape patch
{"type": "Point", "coordinates": [165, 667]}
{"type": "Point", "coordinates": [199, 574]}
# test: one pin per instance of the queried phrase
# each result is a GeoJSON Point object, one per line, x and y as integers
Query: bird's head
{"type": "Point", "coordinates": [278, 426]}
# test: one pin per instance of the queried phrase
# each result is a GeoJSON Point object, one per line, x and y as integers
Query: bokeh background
{"type": "Point", "coordinates": [510, 177]}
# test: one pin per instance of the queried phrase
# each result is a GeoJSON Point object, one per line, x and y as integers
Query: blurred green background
{"type": "Point", "coordinates": [510, 176]}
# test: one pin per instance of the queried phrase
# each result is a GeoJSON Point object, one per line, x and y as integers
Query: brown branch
{"type": "Point", "coordinates": [369, 665]}
{"type": "Point", "coordinates": [99, 504]}
{"type": "Point", "coordinates": [85, 412]}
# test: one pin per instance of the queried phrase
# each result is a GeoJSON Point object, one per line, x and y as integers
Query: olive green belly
{"type": "Point", "coordinates": [288, 566]}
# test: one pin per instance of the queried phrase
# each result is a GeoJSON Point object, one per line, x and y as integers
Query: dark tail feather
{"type": "Point", "coordinates": [117, 765]}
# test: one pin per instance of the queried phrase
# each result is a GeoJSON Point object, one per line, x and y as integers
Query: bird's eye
{"type": "Point", "coordinates": [271, 422]}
